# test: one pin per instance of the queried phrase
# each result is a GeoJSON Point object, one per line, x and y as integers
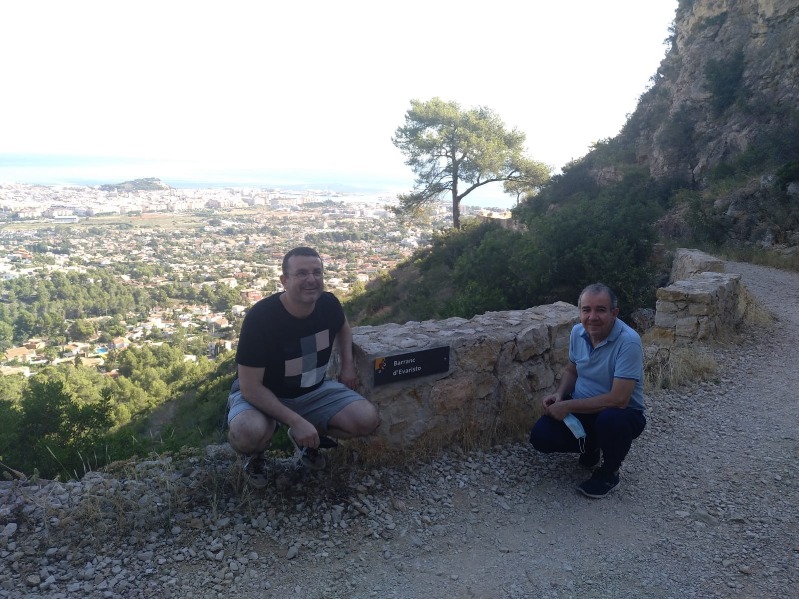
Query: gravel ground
{"type": "Point", "coordinates": [707, 507]}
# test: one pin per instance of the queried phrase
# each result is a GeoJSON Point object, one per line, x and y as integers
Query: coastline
{"type": "Point", "coordinates": [90, 171]}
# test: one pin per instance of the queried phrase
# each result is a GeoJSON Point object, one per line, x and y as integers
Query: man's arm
{"type": "Point", "coordinates": [568, 377]}
{"type": "Point", "coordinates": [253, 389]}
{"type": "Point", "coordinates": [344, 341]}
{"type": "Point", "coordinates": [618, 397]}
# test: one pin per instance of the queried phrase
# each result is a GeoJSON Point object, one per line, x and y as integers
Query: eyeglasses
{"type": "Point", "coordinates": [302, 274]}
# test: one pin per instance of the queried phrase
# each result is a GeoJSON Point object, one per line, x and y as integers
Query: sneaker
{"type": "Point", "coordinates": [254, 468]}
{"type": "Point", "coordinates": [599, 485]}
{"type": "Point", "coordinates": [312, 459]}
{"type": "Point", "coordinates": [327, 443]}
{"type": "Point", "coordinates": [589, 459]}
{"type": "Point", "coordinates": [309, 457]}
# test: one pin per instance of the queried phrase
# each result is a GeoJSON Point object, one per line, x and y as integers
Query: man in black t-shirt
{"type": "Point", "coordinates": [284, 348]}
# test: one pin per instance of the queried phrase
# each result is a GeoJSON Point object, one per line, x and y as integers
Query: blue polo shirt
{"type": "Point", "coordinates": [619, 356]}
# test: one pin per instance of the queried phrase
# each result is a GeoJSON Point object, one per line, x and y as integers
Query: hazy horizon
{"type": "Point", "coordinates": [54, 170]}
{"type": "Point", "coordinates": [280, 93]}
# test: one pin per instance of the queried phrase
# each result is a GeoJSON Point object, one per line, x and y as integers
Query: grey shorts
{"type": "Point", "coordinates": [317, 407]}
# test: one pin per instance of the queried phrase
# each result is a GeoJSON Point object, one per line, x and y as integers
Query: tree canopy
{"type": "Point", "coordinates": [455, 151]}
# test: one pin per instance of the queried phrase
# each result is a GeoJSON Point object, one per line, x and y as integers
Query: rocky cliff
{"type": "Point", "coordinates": [730, 80]}
{"type": "Point", "coordinates": [715, 139]}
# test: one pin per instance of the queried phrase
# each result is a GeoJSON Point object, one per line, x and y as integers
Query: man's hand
{"type": "Point", "coordinates": [305, 433]}
{"type": "Point", "coordinates": [347, 376]}
{"type": "Point", "coordinates": [555, 407]}
{"type": "Point", "coordinates": [551, 399]}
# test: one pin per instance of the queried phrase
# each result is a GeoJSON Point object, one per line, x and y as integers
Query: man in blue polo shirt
{"type": "Point", "coordinates": [598, 407]}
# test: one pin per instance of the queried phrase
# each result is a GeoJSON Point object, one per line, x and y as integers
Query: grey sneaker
{"type": "Point", "coordinates": [308, 457]}
{"type": "Point", "coordinates": [254, 468]}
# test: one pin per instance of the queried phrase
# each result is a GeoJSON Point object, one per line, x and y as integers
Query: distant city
{"type": "Point", "coordinates": [56, 170]}
{"type": "Point", "coordinates": [203, 255]}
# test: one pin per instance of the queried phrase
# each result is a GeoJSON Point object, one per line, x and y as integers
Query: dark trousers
{"type": "Point", "coordinates": [612, 430]}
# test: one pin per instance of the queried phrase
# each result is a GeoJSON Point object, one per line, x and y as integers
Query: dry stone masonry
{"type": "Point", "coordinates": [701, 303]}
{"type": "Point", "coordinates": [499, 364]}
{"type": "Point", "coordinates": [688, 263]}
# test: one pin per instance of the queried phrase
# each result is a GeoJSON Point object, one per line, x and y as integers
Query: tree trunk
{"type": "Point", "coordinates": [456, 201]}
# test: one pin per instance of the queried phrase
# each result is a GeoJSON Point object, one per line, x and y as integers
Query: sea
{"type": "Point", "coordinates": [91, 171]}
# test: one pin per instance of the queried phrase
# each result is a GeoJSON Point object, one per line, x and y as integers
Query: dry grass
{"type": "Point", "coordinates": [133, 497]}
{"type": "Point", "coordinates": [781, 257]}
{"type": "Point", "coordinates": [670, 367]}
{"type": "Point", "coordinates": [511, 420]}
{"type": "Point", "coordinates": [674, 366]}
{"type": "Point", "coordinates": [129, 499]}
{"type": "Point", "coordinates": [754, 313]}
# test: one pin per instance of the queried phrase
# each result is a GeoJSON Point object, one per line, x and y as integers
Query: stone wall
{"type": "Point", "coordinates": [688, 263]}
{"type": "Point", "coordinates": [701, 303]}
{"type": "Point", "coordinates": [500, 365]}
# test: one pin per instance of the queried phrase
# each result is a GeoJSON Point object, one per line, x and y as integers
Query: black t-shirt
{"type": "Point", "coordinates": [294, 351]}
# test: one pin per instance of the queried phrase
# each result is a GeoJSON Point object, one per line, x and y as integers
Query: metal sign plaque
{"type": "Point", "coordinates": [411, 365]}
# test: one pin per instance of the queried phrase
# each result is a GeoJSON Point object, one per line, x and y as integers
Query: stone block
{"type": "Point", "coordinates": [450, 395]}
{"type": "Point", "coordinates": [665, 306]}
{"type": "Point", "coordinates": [686, 327]}
{"type": "Point", "coordinates": [532, 341]}
{"type": "Point", "coordinates": [701, 296]}
{"type": "Point", "coordinates": [665, 320]}
{"type": "Point", "coordinates": [700, 309]}
{"type": "Point", "coordinates": [662, 335]}
{"type": "Point", "coordinates": [540, 375]}
{"type": "Point", "coordinates": [689, 262]}
{"type": "Point", "coordinates": [476, 354]}
{"type": "Point", "coordinates": [672, 293]}
{"type": "Point", "coordinates": [702, 304]}
{"type": "Point", "coordinates": [706, 328]}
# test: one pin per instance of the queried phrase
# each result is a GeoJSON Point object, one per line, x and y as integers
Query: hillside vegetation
{"type": "Point", "coordinates": [146, 184]}
{"type": "Point", "coordinates": [709, 158]}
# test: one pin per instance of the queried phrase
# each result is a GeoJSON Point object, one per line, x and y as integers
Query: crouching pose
{"type": "Point", "coordinates": [598, 407]}
{"type": "Point", "coordinates": [284, 349]}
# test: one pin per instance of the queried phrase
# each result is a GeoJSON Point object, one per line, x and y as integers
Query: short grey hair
{"type": "Point", "coordinates": [595, 288]}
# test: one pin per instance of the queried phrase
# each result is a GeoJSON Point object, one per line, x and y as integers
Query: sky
{"type": "Point", "coordinates": [316, 89]}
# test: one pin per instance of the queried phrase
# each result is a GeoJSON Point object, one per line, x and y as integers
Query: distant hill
{"type": "Point", "coordinates": [148, 184]}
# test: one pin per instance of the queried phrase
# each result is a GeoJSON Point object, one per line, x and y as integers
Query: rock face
{"type": "Point", "coordinates": [729, 79]}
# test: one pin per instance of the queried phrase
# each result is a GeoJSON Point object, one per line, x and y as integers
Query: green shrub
{"type": "Point", "coordinates": [608, 239]}
{"type": "Point", "coordinates": [706, 227]}
{"type": "Point", "coordinates": [724, 80]}
{"type": "Point", "coordinates": [787, 173]}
